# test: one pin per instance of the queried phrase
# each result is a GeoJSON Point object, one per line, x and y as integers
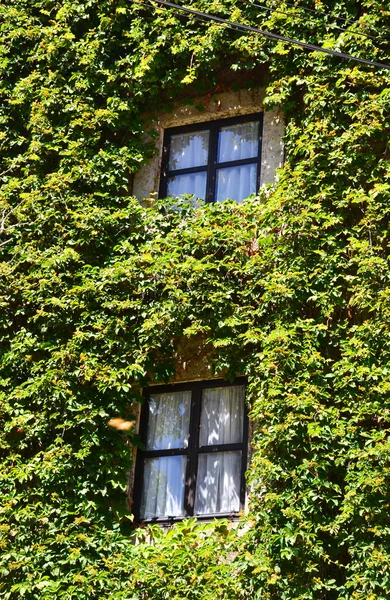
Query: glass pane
{"type": "Point", "coordinates": [192, 183]}
{"type": "Point", "coordinates": [222, 416]}
{"type": "Point", "coordinates": [189, 150]}
{"type": "Point", "coordinates": [218, 483]}
{"type": "Point", "coordinates": [168, 423]}
{"type": "Point", "coordinates": [163, 487]}
{"type": "Point", "coordinates": [238, 141]}
{"type": "Point", "coordinates": [236, 183]}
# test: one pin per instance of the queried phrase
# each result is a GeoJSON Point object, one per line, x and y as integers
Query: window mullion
{"type": "Point", "coordinates": [244, 457]}
{"type": "Point", "coordinates": [140, 463]}
{"type": "Point", "coordinates": [192, 465]}
{"type": "Point", "coordinates": [237, 163]}
{"type": "Point", "coordinates": [164, 166]}
{"type": "Point", "coordinates": [164, 452]}
{"type": "Point", "coordinates": [259, 152]}
{"type": "Point", "coordinates": [185, 171]}
{"type": "Point", "coordinates": [215, 448]}
{"type": "Point", "coordinates": [211, 170]}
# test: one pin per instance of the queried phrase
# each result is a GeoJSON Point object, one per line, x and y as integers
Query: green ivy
{"type": "Point", "coordinates": [290, 288]}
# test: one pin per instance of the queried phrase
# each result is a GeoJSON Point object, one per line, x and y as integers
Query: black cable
{"type": "Point", "coordinates": [185, 16]}
{"type": "Point", "coordinates": [300, 18]}
{"type": "Point", "coordinates": [321, 12]}
{"type": "Point", "coordinates": [275, 36]}
{"type": "Point", "coordinates": [337, 27]}
{"type": "Point", "coordinates": [336, 17]}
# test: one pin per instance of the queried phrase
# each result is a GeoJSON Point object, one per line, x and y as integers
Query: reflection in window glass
{"type": "Point", "coordinates": [192, 183]}
{"type": "Point", "coordinates": [163, 489]}
{"type": "Point", "coordinates": [238, 141]}
{"type": "Point", "coordinates": [189, 150]}
{"type": "Point", "coordinates": [236, 183]}
{"type": "Point", "coordinates": [168, 422]}
{"type": "Point", "coordinates": [222, 416]}
{"type": "Point", "coordinates": [218, 483]}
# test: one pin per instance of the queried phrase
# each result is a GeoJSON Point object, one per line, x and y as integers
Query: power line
{"type": "Point", "coordinates": [185, 16]}
{"type": "Point", "coordinates": [321, 12]}
{"type": "Point", "coordinates": [337, 27]}
{"type": "Point", "coordinates": [275, 36]}
{"type": "Point", "coordinates": [359, 33]}
{"type": "Point", "coordinates": [333, 16]}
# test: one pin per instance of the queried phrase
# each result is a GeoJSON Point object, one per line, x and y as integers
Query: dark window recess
{"type": "Point", "coordinates": [213, 161]}
{"type": "Point", "coordinates": [195, 456]}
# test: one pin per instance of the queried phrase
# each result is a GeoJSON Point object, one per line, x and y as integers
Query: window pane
{"type": "Point", "coordinates": [168, 423]}
{"type": "Point", "coordinates": [192, 183]}
{"type": "Point", "coordinates": [218, 483]}
{"type": "Point", "coordinates": [236, 183]}
{"type": "Point", "coordinates": [238, 141]}
{"type": "Point", "coordinates": [189, 150]}
{"type": "Point", "coordinates": [163, 488]}
{"type": "Point", "coordinates": [222, 416]}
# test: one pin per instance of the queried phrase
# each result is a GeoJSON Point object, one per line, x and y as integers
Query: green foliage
{"type": "Point", "coordinates": [192, 561]}
{"type": "Point", "coordinates": [96, 292]}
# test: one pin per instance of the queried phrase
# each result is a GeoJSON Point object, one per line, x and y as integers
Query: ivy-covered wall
{"type": "Point", "coordinates": [96, 292]}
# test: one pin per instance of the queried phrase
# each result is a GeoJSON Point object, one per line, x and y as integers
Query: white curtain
{"type": "Point", "coordinates": [191, 183]}
{"type": "Point", "coordinates": [168, 421]}
{"type": "Point", "coordinates": [164, 477]}
{"type": "Point", "coordinates": [238, 141]}
{"type": "Point", "coordinates": [222, 416]}
{"type": "Point", "coordinates": [163, 489]}
{"type": "Point", "coordinates": [189, 150]}
{"type": "Point", "coordinates": [218, 477]}
{"type": "Point", "coordinates": [218, 483]}
{"type": "Point", "coordinates": [236, 183]}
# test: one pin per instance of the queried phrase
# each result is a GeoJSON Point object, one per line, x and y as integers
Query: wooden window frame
{"type": "Point", "coordinates": [192, 451]}
{"type": "Point", "coordinates": [212, 166]}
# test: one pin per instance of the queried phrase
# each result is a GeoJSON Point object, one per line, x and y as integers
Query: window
{"type": "Point", "coordinates": [213, 161]}
{"type": "Point", "coordinates": [195, 438]}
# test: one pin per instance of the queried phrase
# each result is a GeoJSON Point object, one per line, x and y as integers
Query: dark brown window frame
{"type": "Point", "coordinates": [212, 165]}
{"type": "Point", "coordinates": [192, 451]}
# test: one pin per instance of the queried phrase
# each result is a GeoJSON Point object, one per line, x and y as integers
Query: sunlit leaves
{"type": "Point", "coordinates": [97, 293]}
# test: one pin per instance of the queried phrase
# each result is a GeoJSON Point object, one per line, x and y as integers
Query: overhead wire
{"type": "Point", "coordinates": [185, 16]}
{"type": "Point", "coordinates": [315, 10]}
{"type": "Point", "coordinates": [329, 25]}
{"type": "Point", "coordinates": [268, 34]}
{"type": "Point", "coordinates": [333, 16]}
{"type": "Point", "coordinates": [320, 12]}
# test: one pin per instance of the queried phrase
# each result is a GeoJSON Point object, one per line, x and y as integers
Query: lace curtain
{"type": "Point", "coordinates": [238, 141]}
{"type": "Point", "coordinates": [236, 183]}
{"type": "Point", "coordinates": [190, 183]}
{"type": "Point", "coordinates": [219, 473]}
{"type": "Point", "coordinates": [164, 477]}
{"type": "Point", "coordinates": [189, 150]}
{"type": "Point", "coordinates": [163, 491]}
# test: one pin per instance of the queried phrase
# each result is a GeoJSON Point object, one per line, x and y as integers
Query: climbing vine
{"type": "Point", "coordinates": [290, 288]}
